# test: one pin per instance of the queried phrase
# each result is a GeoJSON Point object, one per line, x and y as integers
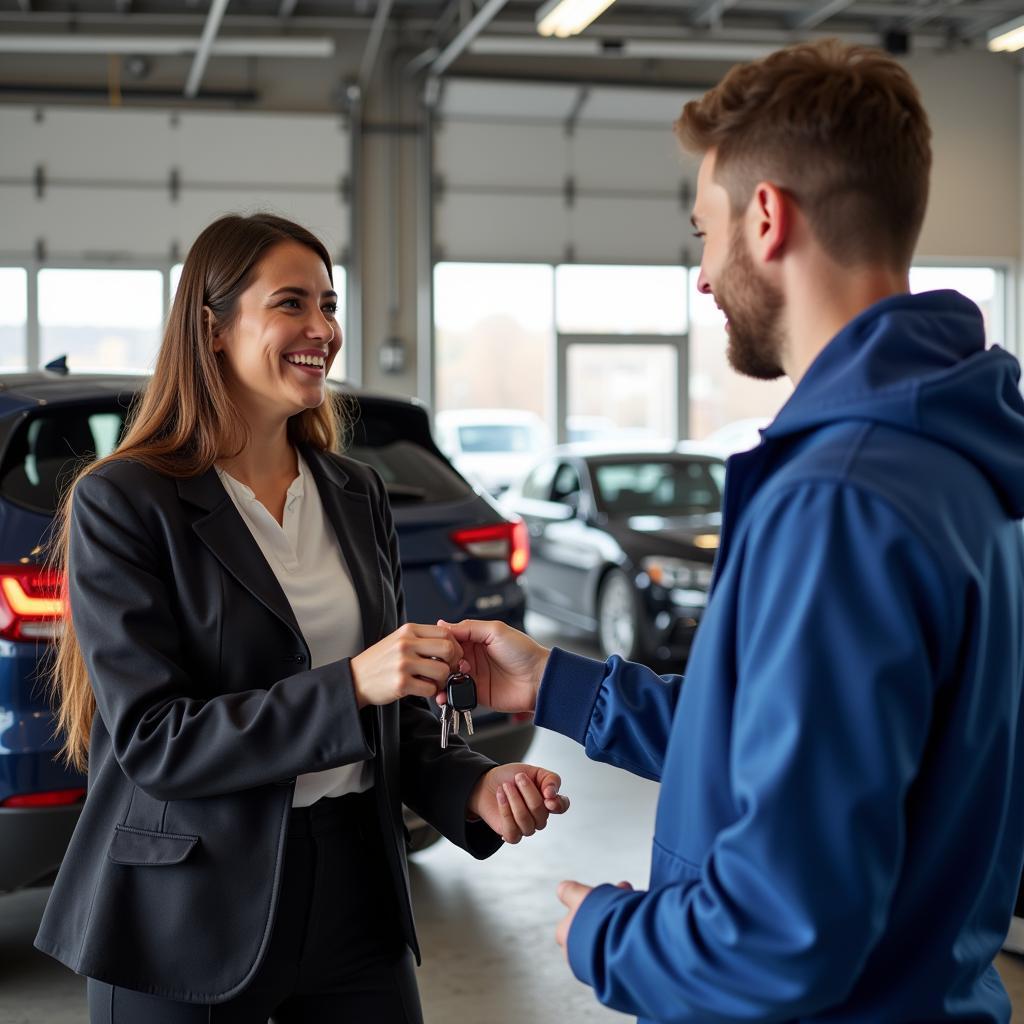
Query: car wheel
{"type": "Point", "coordinates": [618, 625]}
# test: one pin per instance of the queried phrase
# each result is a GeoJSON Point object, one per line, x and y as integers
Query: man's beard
{"type": "Point", "coordinates": [754, 308]}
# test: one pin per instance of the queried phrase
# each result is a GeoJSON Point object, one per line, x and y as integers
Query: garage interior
{"type": "Point", "coordinates": [509, 220]}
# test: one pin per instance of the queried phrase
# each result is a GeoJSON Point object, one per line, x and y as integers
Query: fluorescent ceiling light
{"type": "Point", "coordinates": [76, 43]}
{"type": "Point", "coordinates": [1007, 37]}
{"type": "Point", "coordinates": [667, 49]}
{"type": "Point", "coordinates": [564, 18]}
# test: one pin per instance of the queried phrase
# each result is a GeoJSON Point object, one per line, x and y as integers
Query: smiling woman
{"type": "Point", "coordinates": [238, 668]}
{"type": "Point", "coordinates": [338, 370]}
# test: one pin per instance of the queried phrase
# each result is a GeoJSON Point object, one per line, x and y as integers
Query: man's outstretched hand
{"type": "Point", "coordinates": [572, 894]}
{"type": "Point", "coordinates": [505, 663]}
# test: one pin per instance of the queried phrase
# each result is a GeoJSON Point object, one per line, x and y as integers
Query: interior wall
{"type": "Point", "coordinates": [515, 203]}
{"type": "Point", "coordinates": [973, 101]}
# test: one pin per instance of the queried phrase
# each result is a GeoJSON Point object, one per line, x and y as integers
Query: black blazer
{"type": "Point", "coordinates": [207, 710]}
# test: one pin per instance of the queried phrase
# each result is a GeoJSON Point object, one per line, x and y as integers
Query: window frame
{"type": "Point", "coordinates": [1004, 303]}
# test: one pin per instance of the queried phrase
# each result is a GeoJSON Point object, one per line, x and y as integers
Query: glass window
{"type": "Point", "coordinates": [13, 317]}
{"type": "Point", "coordinates": [620, 300]}
{"type": "Point", "coordinates": [662, 487]}
{"type": "Point", "coordinates": [340, 365]}
{"type": "Point", "coordinates": [567, 483]}
{"type": "Point", "coordinates": [175, 277]}
{"type": "Point", "coordinates": [101, 319]}
{"type": "Point", "coordinates": [983, 285]}
{"type": "Point", "coordinates": [50, 447]}
{"type": "Point", "coordinates": [622, 394]}
{"type": "Point", "coordinates": [538, 484]}
{"type": "Point", "coordinates": [494, 336]}
{"type": "Point", "coordinates": [412, 474]}
{"type": "Point", "coordinates": [496, 437]}
{"type": "Point", "coordinates": [720, 398]}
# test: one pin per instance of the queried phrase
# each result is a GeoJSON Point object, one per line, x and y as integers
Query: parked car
{"type": "Point", "coordinates": [460, 557]}
{"type": "Point", "coordinates": [494, 447]}
{"type": "Point", "coordinates": [738, 436]}
{"type": "Point", "coordinates": [622, 544]}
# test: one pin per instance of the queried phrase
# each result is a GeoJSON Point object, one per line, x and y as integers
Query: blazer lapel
{"type": "Point", "coordinates": [225, 533]}
{"type": "Point", "coordinates": [351, 516]}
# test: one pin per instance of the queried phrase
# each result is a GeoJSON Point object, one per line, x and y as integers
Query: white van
{"type": "Point", "coordinates": [494, 447]}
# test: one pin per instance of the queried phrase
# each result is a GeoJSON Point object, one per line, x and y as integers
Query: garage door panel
{"type": "Point", "coordinates": [506, 228]}
{"type": "Point", "coordinates": [509, 154]}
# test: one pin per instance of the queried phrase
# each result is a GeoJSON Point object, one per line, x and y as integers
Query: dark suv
{"type": "Point", "coordinates": [460, 557]}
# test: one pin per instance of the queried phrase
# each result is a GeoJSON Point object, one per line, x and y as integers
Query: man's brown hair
{"type": "Point", "coordinates": [840, 128]}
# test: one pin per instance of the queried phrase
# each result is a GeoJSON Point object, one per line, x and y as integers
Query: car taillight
{"type": "Point", "coordinates": [507, 541]}
{"type": "Point", "coordinates": [31, 603]}
{"type": "Point", "coordinates": [50, 798]}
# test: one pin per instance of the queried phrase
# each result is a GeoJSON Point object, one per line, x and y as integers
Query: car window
{"type": "Point", "coordinates": [567, 483]}
{"type": "Point", "coordinates": [657, 487]}
{"type": "Point", "coordinates": [49, 447]}
{"type": "Point", "coordinates": [496, 437]}
{"type": "Point", "coordinates": [538, 483]}
{"type": "Point", "coordinates": [411, 473]}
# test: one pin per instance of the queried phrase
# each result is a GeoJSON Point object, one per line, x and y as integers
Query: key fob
{"type": "Point", "coordinates": [461, 691]}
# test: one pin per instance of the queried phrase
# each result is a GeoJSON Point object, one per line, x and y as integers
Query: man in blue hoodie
{"type": "Point", "coordinates": [841, 816]}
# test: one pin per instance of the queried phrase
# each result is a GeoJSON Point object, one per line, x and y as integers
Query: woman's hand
{"type": "Point", "coordinates": [415, 660]}
{"type": "Point", "coordinates": [506, 664]}
{"type": "Point", "coordinates": [515, 800]}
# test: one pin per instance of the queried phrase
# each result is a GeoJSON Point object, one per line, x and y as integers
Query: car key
{"type": "Point", "coordinates": [461, 690]}
{"type": "Point", "coordinates": [446, 724]}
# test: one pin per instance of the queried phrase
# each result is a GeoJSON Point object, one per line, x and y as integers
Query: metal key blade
{"type": "Point", "coordinates": [467, 717]}
{"type": "Point", "coordinates": [446, 718]}
{"type": "Point", "coordinates": [455, 722]}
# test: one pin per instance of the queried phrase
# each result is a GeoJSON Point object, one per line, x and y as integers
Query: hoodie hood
{"type": "Point", "coordinates": [919, 363]}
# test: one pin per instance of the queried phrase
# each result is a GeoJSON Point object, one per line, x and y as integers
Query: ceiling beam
{"type": "Point", "coordinates": [210, 29]}
{"type": "Point", "coordinates": [930, 14]}
{"type": "Point", "coordinates": [476, 25]}
{"type": "Point", "coordinates": [709, 12]}
{"type": "Point", "coordinates": [373, 41]}
{"type": "Point", "coordinates": [817, 12]}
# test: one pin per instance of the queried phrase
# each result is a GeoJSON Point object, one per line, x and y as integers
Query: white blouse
{"type": "Point", "coordinates": [306, 559]}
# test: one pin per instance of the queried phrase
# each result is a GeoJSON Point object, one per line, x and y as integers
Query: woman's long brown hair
{"type": "Point", "coordinates": [184, 420]}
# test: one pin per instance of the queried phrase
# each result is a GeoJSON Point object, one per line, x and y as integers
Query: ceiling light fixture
{"type": "Point", "coordinates": [563, 18]}
{"type": "Point", "coordinates": [1008, 37]}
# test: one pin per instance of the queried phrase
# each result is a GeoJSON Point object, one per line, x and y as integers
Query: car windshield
{"type": "Point", "coordinates": [411, 473]}
{"type": "Point", "coordinates": [496, 437]}
{"type": "Point", "coordinates": [657, 487]}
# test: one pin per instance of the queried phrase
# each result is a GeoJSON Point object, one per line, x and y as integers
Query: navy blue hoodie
{"type": "Point", "coordinates": [841, 816]}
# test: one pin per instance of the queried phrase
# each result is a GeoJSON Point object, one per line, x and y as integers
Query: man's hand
{"type": "Point", "coordinates": [572, 894]}
{"type": "Point", "coordinates": [506, 665]}
{"type": "Point", "coordinates": [515, 800]}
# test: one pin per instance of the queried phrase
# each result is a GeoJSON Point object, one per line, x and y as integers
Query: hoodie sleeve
{"type": "Point", "coordinates": [620, 711]}
{"type": "Point", "coordinates": [845, 626]}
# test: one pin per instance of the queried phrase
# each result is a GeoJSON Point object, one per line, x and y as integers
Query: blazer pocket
{"type": "Point", "coordinates": [144, 847]}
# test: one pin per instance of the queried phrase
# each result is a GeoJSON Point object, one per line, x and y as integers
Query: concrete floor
{"type": "Point", "coordinates": [487, 929]}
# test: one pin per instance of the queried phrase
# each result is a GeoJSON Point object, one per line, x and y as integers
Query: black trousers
{"type": "Point", "coordinates": [336, 951]}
